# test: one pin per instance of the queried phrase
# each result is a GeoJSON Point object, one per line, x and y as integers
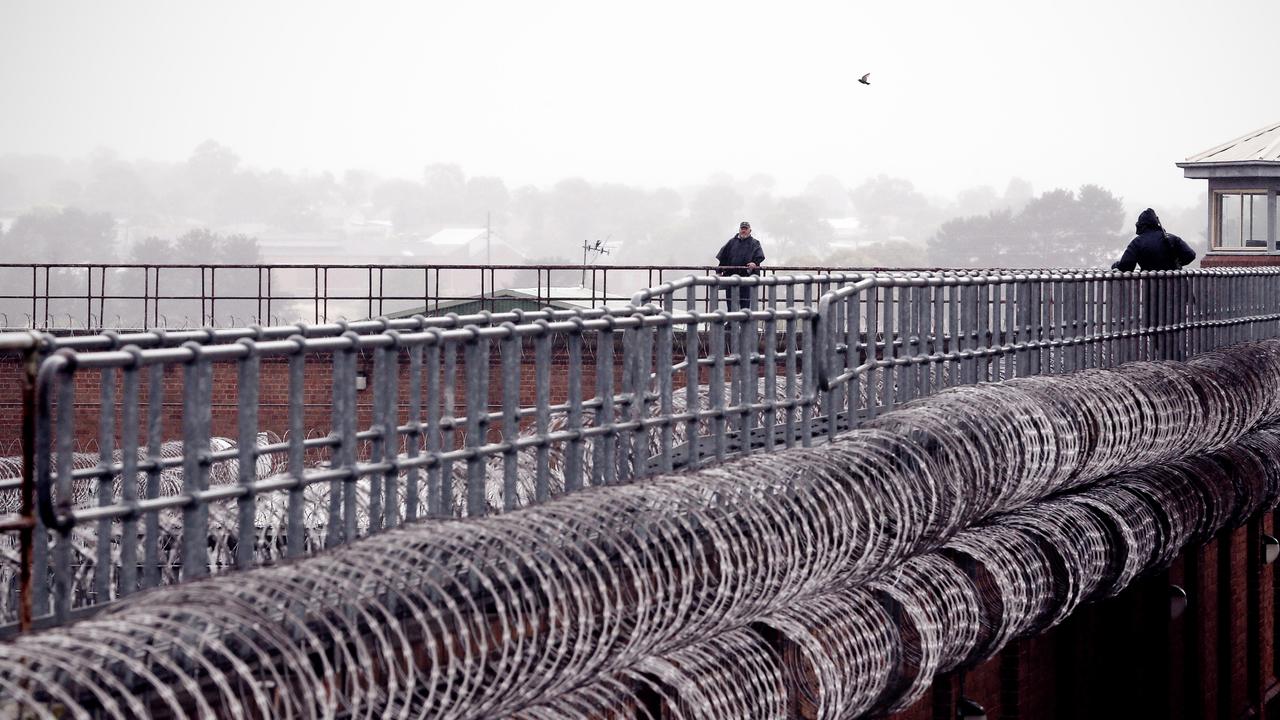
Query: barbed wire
{"type": "Point", "coordinates": [843, 577]}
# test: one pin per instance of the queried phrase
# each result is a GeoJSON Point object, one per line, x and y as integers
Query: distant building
{"type": "Point", "coordinates": [463, 246]}
{"type": "Point", "coordinates": [528, 299]}
{"type": "Point", "coordinates": [1244, 178]}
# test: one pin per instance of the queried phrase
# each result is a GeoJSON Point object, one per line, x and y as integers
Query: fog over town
{"type": "Point", "coordinates": [991, 134]}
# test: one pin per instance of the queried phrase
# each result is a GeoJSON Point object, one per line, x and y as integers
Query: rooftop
{"type": "Point", "coordinates": [1260, 146]}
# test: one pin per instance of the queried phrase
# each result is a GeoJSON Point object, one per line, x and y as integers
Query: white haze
{"type": "Point", "coordinates": [651, 94]}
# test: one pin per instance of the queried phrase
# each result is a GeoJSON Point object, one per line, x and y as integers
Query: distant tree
{"type": "Point", "coordinates": [404, 201]}
{"type": "Point", "coordinates": [892, 208]}
{"type": "Point", "coordinates": [61, 236]}
{"type": "Point", "coordinates": [978, 200]}
{"type": "Point", "coordinates": [485, 197]}
{"type": "Point", "coordinates": [1017, 194]}
{"type": "Point", "coordinates": [151, 250]}
{"type": "Point", "coordinates": [714, 213]}
{"type": "Point", "coordinates": [239, 249]}
{"type": "Point", "coordinates": [973, 241]}
{"type": "Point", "coordinates": [115, 186]}
{"type": "Point", "coordinates": [797, 228]}
{"type": "Point", "coordinates": [445, 194]}
{"type": "Point", "coordinates": [1059, 228]}
{"type": "Point", "coordinates": [356, 187]}
{"type": "Point", "coordinates": [888, 254]}
{"type": "Point", "coordinates": [212, 164]}
{"type": "Point", "coordinates": [200, 246]}
{"type": "Point", "coordinates": [829, 196]}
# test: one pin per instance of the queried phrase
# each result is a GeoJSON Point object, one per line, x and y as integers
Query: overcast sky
{"type": "Point", "coordinates": [654, 93]}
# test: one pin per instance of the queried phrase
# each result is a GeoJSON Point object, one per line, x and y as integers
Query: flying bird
{"type": "Point", "coordinates": [864, 79]}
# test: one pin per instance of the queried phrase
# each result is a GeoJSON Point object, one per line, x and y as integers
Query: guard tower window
{"type": "Point", "coordinates": [1240, 220]}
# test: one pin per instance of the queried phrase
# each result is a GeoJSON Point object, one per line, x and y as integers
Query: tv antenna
{"type": "Point", "coordinates": [599, 247]}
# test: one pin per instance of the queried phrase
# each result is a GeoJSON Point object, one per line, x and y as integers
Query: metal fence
{"type": "Point", "coordinates": [90, 298]}
{"type": "Point", "coordinates": [465, 416]}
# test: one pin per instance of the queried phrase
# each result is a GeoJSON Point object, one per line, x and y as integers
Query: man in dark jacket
{"type": "Point", "coordinates": [742, 256]}
{"type": "Point", "coordinates": [1164, 300]}
{"type": "Point", "coordinates": [1153, 248]}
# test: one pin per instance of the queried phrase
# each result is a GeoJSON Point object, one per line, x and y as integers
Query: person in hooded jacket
{"type": "Point", "coordinates": [742, 255]}
{"type": "Point", "coordinates": [1153, 248]}
{"type": "Point", "coordinates": [1164, 299]}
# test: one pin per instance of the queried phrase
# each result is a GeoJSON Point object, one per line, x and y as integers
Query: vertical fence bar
{"type": "Point", "coordinates": [573, 453]}
{"type": "Point", "coordinates": [1045, 364]}
{"type": "Point", "coordinates": [853, 358]}
{"type": "Point", "coordinates": [749, 387]}
{"type": "Point", "coordinates": [982, 329]}
{"type": "Point", "coordinates": [1091, 308]}
{"type": "Point", "coordinates": [969, 327]}
{"type": "Point", "coordinates": [248, 372]}
{"type": "Point", "coordinates": [338, 408]}
{"type": "Point", "coordinates": [434, 384]}
{"type": "Point", "coordinates": [476, 367]}
{"type": "Point", "coordinates": [640, 398]}
{"type": "Point", "coordinates": [36, 419]}
{"type": "Point", "coordinates": [603, 456]}
{"type": "Point", "coordinates": [195, 462]}
{"type": "Point", "coordinates": [1070, 323]}
{"type": "Point", "coordinates": [542, 416]}
{"type": "Point", "coordinates": [789, 420]}
{"type": "Point", "coordinates": [382, 428]}
{"type": "Point", "coordinates": [155, 444]}
{"type": "Point", "coordinates": [808, 384]}
{"type": "Point", "coordinates": [349, 442]}
{"type": "Point", "coordinates": [129, 398]}
{"type": "Point", "coordinates": [105, 490]}
{"type": "Point", "coordinates": [874, 376]}
{"type": "Point", "coordinates": [627, 400]}
{"type": "Point", "coordinates": [448, 424]}
{"type": "Point", "coordinates": [294, 529]}
{"type": "Point", "coordinates": [937, 322]}
{"type": "Point", "coordinates": [64, 447]}
{"type": "Point", "coordinates": [391, 428]}
{"type": "Point", "coordinates": [832, 397]}
{"type": "Point", "coordinates": [1009, 331]}
{"type": "Point", "coordinates": [510, 415]}
{"type": "Point", "coordinates": [919, 340]}
{"type": "Point", "coordinates": [715, 388]}
{"type": "Point", "coordinates": [771, 371]}
{"type": "Point", "coordinates": [733, 422]}
{"type": "Point", "coordinates": [901, 341]}
{"type": "Point", "coordinates": [693, 380]}
{"type": "Point", "coordinates": [1022, 326]}
{"type": "Point", "coordinates": [413, 440]}
{"type": "Point", "coordinates": [808, 380]}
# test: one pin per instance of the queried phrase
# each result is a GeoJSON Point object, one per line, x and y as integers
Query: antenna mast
{"type": "Point", "coordinates": [599, 248]}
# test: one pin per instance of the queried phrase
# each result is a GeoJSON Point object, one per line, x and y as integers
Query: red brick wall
{"type": "Point", "coordinates": [1125, 658]}
{"type": "Point", "coordinates": [274, 387]}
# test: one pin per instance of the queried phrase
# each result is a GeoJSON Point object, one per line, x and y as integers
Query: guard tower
{"type": "Point", "coordinates": [1243, 176]}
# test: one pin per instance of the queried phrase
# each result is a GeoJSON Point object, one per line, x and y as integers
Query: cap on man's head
{"type": "Point", "coordinates": [744, 224]}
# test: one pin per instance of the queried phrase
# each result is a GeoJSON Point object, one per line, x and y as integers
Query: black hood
{"type": "Point", "coordinates": [1147, 220]}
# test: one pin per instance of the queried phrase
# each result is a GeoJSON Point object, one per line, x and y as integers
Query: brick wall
{"type": "Point", "coordinates": [1122, 657]}
{"type": "Point", "coordinates": [273, 406]}
{"type": "Point", "coordinates": [1125, 658]}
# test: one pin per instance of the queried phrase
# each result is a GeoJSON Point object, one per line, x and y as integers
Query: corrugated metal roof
{"type": "Point", "coordinates": [565, 298]}
{"type": "Point", "coordinates": [1262, 145]}
{"type": "Point", "coordinates": [455, 236]}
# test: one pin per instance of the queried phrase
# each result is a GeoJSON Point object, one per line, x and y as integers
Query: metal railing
{"type": "Point", "coordinates": [889, 338]}
{"type": "Point", "coordinates": [465, 416]}
{"type": "Point", "coordinates": [88, 298]}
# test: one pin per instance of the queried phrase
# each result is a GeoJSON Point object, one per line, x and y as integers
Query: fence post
{"type": "Point", "coordinates": [27, 535]}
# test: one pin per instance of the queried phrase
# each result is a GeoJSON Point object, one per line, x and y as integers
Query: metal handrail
{"type": "Point", "coordinates": [812, 355]}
